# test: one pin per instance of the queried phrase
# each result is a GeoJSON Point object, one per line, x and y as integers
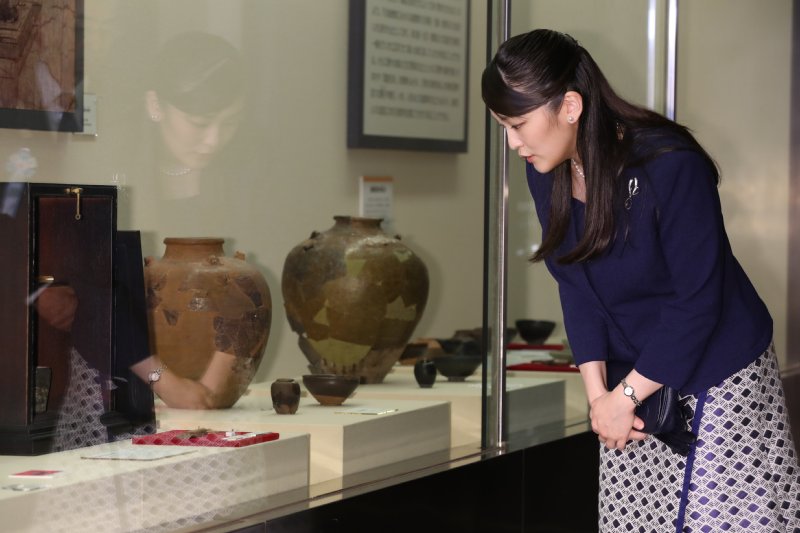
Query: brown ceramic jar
{"type": "Point", "coordinates": [354, 295]}
{"type": "Point", "coordinates": [200, 302]}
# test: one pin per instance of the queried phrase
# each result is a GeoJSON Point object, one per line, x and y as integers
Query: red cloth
{"type": "Point", "coordinates": [544, 367]}
{"type": "Point", "coordinates": [521, 346]}
{"type": "Point", "coordinates": [216, 438]}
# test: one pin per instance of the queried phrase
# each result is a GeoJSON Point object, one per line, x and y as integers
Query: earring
{"type": "Point", "coordinates": [570, 119]}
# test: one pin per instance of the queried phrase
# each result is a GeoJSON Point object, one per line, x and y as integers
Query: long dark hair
{"type": "Point", "coordinates": [199, 73]}
{"type": "Point", "coordinates": [538, 68]}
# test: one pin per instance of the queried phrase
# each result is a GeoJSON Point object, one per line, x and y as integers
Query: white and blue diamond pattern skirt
{"type": "Point", "coordinates": [743, 474]}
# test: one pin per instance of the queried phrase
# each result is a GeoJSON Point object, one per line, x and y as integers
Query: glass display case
{"type": "Point", "coordinates": [221, 127]}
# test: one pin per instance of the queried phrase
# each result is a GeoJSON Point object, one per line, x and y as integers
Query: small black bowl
{"type": "Point", "coordinates": [477, 334]}
{"type": "Point", "coordinates": [460, 346]}
{"type": "Point", "coordinates": [457, 367]}
{"type": "Point", "coordinates": [535, 331]}
{"type": "Point", "coordinates": [330, 389]}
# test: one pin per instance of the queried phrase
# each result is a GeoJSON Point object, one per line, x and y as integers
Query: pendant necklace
{"type": "Point", "coordinates": [578, 169]}
{"type": "Point", "coordinates": [177, 171]}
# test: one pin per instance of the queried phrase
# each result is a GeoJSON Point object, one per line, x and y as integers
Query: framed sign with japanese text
{"type": "Point", "coordinates": [407, 74]}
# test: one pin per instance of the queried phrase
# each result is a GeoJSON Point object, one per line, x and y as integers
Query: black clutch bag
{"type": "Point", "coordinates": [664, 415]}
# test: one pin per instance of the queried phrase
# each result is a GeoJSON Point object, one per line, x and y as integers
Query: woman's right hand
{"type": "Point", "coordinates": [614, 421]}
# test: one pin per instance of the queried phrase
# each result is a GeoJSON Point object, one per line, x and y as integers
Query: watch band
{"type": "Point", "coordinates": [628, 391]}
{"type": "Point", "coordinates": [155, 375]}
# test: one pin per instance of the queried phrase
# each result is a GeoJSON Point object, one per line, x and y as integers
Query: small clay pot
{"type": "Point", "coordinates": [425, 373]}
{"type": "Point", "coordinates": [285, 396]}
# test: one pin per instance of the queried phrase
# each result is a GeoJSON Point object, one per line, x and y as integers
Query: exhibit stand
{"type": "Point", "coordinates": [127, 487]}
{"type": "Point", "coordinates": [359, 435]}
{"type": "Point", "coordinates": [533, 401]}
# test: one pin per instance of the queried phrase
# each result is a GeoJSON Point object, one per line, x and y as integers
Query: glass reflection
{"type": "Point", "coordinates": [196, 106]}
{"type": "Point", "coordinates": [222, 119]}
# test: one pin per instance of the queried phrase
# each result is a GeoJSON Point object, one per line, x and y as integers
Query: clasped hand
{"type": "Point", "coordinates": [614, 421]}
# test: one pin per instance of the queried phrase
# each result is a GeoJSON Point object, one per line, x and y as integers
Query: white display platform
{"type": "Point", "coordinates": [161, 494]}
{"type": "Point", "coordinates": [532, 401]}
{"type": "Point", "coordinates": [577, 406]}
{"type": "Point", "coordinates": [341, 444]}
{"type": "Point", "coordinates": [576, 401]}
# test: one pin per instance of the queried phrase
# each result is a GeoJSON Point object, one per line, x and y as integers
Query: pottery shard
{"type": "Point", "coordinates": [244, 336]}
{"type": "Point", "coordinates": [171, 316]}
{"type": "Point", "coordinates": [250, 289]}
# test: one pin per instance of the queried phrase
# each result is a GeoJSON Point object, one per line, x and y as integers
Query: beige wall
{"type": "Point", "coordinates": [615, 33]}
{"type": "Point", "coordinates": [733, 92]}
{"type": "Point", "coordinates": [290, 172]}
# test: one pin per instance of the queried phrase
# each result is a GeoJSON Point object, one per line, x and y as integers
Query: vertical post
{"type": "Point", "coordinates": [652, 17]}
{"type": "Point", "coordinates": [672, 57]}
{"type": "Point", "coordinates": [495, 252]}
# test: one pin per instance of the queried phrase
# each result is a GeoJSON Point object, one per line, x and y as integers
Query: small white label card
{"type": "Point", "coordinates": [22, 487]}
{"type": "Point", "coordinates": [376, 199]}
{"type": "Point", "coordinates": [365, 411]}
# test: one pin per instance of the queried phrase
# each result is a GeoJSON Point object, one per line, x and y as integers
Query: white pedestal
{"type": "Point", "coordinates": [532, 401]}
{"type": "Point", "coordinates": [157, 495]}
{"type": "Point", "coordinates": [577, 405]}
{"type": "Point", "coordinates": [341, 444]}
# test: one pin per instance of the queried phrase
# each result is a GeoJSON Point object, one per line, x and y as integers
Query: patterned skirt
{"type": "Point", "coordinates": [79, 414]}
{"type": "Point", "coordinates": [743, 474]}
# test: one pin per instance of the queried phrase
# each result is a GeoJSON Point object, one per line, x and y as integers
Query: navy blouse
{"type": "Point", "coordinates": [668, 294]}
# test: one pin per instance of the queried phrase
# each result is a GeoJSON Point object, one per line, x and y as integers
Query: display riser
{"type": "Point", "coordinates": [341, 444]}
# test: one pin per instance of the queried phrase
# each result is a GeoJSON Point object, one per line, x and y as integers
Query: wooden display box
{"type": "Point", "coordinates": [57, 293]}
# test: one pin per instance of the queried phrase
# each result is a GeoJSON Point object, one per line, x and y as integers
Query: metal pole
{"type": "Point", "coordinates": [672, 57]}
{"type": "Point", "coordinates": [652, 16]}
{"type": "Point", "coordinates": [496, 247]}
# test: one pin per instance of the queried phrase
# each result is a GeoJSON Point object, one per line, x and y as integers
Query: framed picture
{"type": "Point", "coordinates": [407, 75]}
{"type": "Point", "coordinates": [41, 64]}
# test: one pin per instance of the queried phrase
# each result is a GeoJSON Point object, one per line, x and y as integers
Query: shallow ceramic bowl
{"type": "Point", "coordinates": [457, 367]}
{"type": "Point", "coordinates": [535, 331]}
{"type": "Point", "coordinates": [412, 352]}
{"type": "Point", "coordinates": [477, 334]}
{"type": "Point", "coordinates": [460, 346]}
{"type": "Point", "coordinates": [330, 389]}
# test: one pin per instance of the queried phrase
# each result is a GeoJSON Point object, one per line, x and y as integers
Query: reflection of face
{"type": "Point", "coordinates": [539, 137]}
{"type": "Point", "coordinates": [193, 140]}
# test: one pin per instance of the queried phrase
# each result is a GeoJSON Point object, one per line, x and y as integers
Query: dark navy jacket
{"type": "Point", "coordinates": [670, 295]}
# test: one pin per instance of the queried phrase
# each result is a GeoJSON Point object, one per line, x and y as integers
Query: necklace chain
{"type": "Point", "coordinates": [578, 169]}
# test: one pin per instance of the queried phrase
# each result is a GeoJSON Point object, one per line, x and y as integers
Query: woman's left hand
{"type": "Point", "coordinates": [613, 420]}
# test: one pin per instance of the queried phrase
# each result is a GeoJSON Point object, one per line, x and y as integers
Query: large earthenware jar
{"type": "Point", "coordinates": [200, 302]}
{"type": "Point", "coordinates": [354, 295]}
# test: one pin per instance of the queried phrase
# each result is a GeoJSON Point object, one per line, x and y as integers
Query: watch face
{"type": "Point", "coordinates": [627, 391]}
